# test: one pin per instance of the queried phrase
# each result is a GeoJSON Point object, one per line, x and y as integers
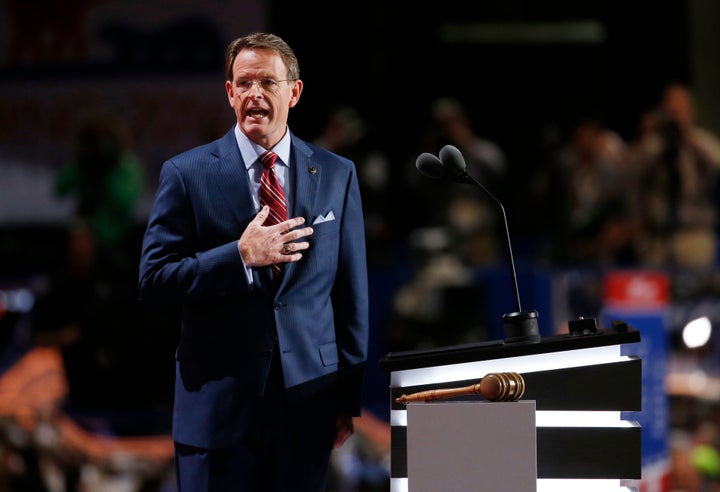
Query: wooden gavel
{"type": "Point", "coordinates": [500, 386]}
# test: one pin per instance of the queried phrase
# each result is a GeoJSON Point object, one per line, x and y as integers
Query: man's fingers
{"type": "Point", "coordinates": [261, 215]}
{"type": "Point", "coordinates": [291, 258]}
{"type": "Point", "coordinates": [290, 248]}
{"type": "Point", "coordinates": [297, 234]}
{"type": "Point", "coordinates": [282, 227]}
{"type": "Point", "coordinates": [291, 223]}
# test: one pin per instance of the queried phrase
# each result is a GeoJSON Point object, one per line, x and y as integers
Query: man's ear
{"type": "Point", "coordinates": [297, 90]}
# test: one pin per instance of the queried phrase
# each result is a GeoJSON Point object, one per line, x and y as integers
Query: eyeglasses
{"type": "Point", "coordinates": [265, 85]}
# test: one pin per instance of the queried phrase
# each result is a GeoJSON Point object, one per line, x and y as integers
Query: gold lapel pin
{"type": "Point", "coordinates": [312, 170]}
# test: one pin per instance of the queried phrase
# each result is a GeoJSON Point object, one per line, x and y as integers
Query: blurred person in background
{"type": "Point", "coordinates": [106, 179]}
{"type": "Point", "coordinates": [472, 220]}
{"type": "Point", "coordinates": [346, 133]}
{"type": "Point", "coordinates": [89, 310]}
{"type": "Point", "coordinates": [676, 163]}
{"type": "Point", "coordinates": [587, 186]}
{"type": "Point", "coordinates": [485, 160]}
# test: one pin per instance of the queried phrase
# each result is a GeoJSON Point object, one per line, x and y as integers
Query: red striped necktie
{"type": "Point", "coordinates": [272, 195]}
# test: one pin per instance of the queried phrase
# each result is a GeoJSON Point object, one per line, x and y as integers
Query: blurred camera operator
{"type": "Point", "coordinates": [677, 163]}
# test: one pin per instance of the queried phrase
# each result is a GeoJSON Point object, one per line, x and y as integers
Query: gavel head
{"type": "Point", "coordinates": [502, 386]}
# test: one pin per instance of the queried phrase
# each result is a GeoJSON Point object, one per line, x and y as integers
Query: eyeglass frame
{"type": "Point", "coordinates": [259, 82]}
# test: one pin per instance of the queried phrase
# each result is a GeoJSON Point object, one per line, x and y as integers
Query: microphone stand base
{"type": "Point", "coordinates": [521, 326]}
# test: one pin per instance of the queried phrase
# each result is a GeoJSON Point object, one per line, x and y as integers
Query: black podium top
{"type": "Point", "coordinates": [499, 349]}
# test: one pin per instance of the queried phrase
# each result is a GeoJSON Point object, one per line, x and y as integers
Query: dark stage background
{"type": "Point", "coordinates": [524, 71]}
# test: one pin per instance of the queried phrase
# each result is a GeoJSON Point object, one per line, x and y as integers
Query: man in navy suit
{"type": "Point", "coordinates": [269, 369]}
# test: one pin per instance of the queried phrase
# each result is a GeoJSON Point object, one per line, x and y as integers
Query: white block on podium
{"type": "Point", "coordinates": [462, 446]}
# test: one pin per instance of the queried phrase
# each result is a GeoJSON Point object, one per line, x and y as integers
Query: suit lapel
{"type": "Point", "coordinates": [231, 181]}
{"type": "Point", "coordinates": [307, 180]}
{"type": "Point", "coordinates": [308, 174]}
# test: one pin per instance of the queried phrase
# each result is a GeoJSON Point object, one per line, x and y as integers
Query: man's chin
{"type": "Point", "coordinates": [254, 130]}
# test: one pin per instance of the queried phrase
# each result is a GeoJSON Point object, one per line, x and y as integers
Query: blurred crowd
{"type": "Point", "coordinates": [650, 201]}
{"type": "Point", "coordinates": [86, 378]}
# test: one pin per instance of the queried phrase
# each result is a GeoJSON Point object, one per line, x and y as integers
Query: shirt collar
{"type": "Point", "coordinates": [251, 151]}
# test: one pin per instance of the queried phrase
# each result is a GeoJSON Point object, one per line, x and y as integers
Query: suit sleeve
{"type": "Point", "coordinates": [172, 267]}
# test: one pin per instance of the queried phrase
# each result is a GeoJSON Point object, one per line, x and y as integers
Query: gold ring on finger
{"type": "Point", "coordinates": [286, 249]}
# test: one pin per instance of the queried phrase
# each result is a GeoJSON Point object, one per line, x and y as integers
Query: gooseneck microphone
{"type": "Point", "coordinates": [430, 165]}
{"type": "Point", "coordinates": [453, 161]}
{"type": "Point", "coordinates": [519, 325]}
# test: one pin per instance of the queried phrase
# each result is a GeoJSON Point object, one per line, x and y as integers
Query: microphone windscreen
{"type": "Point", "coordinates": [430, 165]}
{"type": "Point", "coordinates": [453, 160]}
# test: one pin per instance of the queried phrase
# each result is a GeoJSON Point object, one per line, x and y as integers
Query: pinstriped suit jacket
{"type": "Point", "coordinates": [319, 312]}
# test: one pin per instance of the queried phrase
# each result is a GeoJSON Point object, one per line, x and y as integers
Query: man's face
{"type": "Point", "coordinates": [260, 106]}
{"type": "Point", "coordinates": [677, 103]}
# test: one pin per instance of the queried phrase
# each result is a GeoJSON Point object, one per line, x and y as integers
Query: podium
{"type": "Point", "coordinates": [578, 384]}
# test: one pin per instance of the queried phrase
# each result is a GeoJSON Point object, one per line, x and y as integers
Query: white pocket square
{"type": "Point", "coordinates": [327, 218]}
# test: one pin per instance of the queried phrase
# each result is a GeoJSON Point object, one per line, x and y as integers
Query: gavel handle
{"type": "Point", "coordinates": [503, 386]}
{"type": "Point", "coordinates": [438, 394]}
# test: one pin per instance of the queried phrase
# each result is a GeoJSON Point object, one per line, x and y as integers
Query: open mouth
{"type": "Point", "coordinates": [257, 113]}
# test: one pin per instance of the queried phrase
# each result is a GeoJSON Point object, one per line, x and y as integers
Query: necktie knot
{"type": "Point", "coordinates": [268, 159]}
